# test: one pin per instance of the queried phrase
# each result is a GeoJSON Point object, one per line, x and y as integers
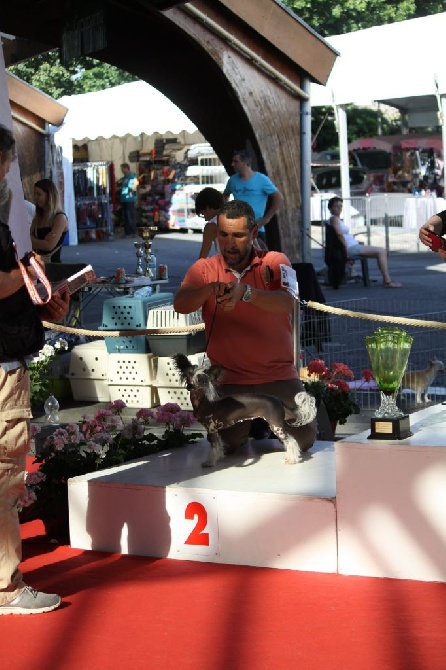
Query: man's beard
{"type": "Point", "coordinates": [235, 260]}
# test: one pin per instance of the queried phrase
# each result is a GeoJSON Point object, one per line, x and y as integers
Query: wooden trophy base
{"type": "Point", "coordinates": [390, 428]}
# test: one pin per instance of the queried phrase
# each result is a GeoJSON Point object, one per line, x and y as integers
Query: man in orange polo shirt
{"type": "Point", "coordinates": [247, 297]}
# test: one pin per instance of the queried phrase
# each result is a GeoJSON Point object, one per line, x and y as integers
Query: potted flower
{"type": "Point", "coordinates": [40, 372]}
{"type": "Point", "coordinates": [101, 442]}
{"type": "Point", "coordinates": [330, 385]}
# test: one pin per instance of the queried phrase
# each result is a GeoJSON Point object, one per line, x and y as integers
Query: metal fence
{"type": "Point", "coordinates": [341, 339]}
{"type": "Point", "coordinates": [389, 220]}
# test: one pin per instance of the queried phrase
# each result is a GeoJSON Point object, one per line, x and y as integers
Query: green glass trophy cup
{"type": "Point", "coordinates": [389, 350]}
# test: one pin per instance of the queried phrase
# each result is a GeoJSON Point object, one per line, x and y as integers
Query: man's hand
{"type": "Point", "coordinates": [56, 308]}
{"type": "Point", "coordinates": [228, 295]}
{"type": "Point", "coordinates": [424, 236]}
{"type": "Point", "coordinates": [30, 270]}
{"type": "Point", "coordinates": [262, 222]}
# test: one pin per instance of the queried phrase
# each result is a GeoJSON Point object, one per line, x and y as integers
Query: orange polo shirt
{"type": "Point", "coordinates": [251, 345]}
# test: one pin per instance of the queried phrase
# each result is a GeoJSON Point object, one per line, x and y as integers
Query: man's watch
{"type": "Point", "coordinates": [246, 297]}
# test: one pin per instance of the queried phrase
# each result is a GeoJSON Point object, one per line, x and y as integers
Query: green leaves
{"type": "Point", "coordinates": [345, 16]}
{"type": "Point", "coordinates": [46, 73]}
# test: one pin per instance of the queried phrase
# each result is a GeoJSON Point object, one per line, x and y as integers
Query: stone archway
{"type": "Point", "coordinates": [236, 69]}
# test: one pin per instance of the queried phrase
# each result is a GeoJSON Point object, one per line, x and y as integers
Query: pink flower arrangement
{"type": "Point", "coordinates": [330, 386]}
{"type": "Point", "coordinates": [101, 442]}
{"type": "Point", "coordinates": [171, 415]}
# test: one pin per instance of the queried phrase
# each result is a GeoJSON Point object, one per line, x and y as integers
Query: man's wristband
{"type": "Point", "coordinates": [246, 297]}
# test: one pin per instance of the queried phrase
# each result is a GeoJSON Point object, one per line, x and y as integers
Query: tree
{"type": "Point", "coordinates": [46, 72]}
{"type": "Point", "coordinates": [345, 16]}
{"type": "Point", "coordinates": [342, 16]}
{"type": "Point", "coordinates": [85, 75]}
{"type": "Point", "coordinates": [362, 122]}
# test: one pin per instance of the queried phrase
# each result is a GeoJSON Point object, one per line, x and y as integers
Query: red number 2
{"type": "Point", "coordinates": [196, 509]}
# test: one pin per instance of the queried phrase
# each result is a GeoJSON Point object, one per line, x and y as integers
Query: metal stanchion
{"type": "Point", "coordinates": [296, 333]}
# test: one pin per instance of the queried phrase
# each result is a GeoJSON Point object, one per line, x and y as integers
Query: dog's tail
{"type": "Point", "coordinates": [305, 410]}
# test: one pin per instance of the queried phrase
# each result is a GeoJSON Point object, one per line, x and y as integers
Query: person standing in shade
{"type": "Point", "coordinates": [127, 199]}
{"type": "Point", "coordinates": [208, 203]}
{"type": "Point", "coordinates": [255, 188]}
{"type": "Point", "coordinates": [21, 335]}
{"type": "Point", "coordinates": [50, 224]}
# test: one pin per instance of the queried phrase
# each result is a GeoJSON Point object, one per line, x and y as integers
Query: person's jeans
{"type": "Point", "coordinates": [128, 217]}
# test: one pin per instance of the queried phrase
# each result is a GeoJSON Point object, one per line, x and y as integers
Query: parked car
{"type": "Point", "coordinates": [328, 179]}
{"type": "Point", "coordinates": [377, 162]}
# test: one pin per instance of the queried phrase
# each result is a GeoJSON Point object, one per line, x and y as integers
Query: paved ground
{"type": "Point", "coordinates": [422, 274]}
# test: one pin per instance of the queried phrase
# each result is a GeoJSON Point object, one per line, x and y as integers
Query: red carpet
{"type": "Point", "coordinates": [134, 612]}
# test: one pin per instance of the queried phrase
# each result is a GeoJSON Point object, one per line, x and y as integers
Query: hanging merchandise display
{"type": "Point", "coordinates": [92, 192]}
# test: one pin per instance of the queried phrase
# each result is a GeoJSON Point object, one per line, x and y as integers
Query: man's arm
{"type": "Point", "coordinates": [190, 298]}
{"type": "Point", "coordinates": [275, 302]}
{"type": "Point", "coordinates": [435, 225]}
{"type": "Point", "coordinates": [56, 308]}
{"type": "Point", "coordinates": [276, 199]}
{"type": "Point", "coordinates": [227, 192]}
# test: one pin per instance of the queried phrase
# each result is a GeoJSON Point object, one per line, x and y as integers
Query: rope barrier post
{"type": "Point", "coordinates": [368, 220]}
{"type": "Point", "coordinates": [386, 232]}
{"type": "Point", "coordinates": [296, 333]}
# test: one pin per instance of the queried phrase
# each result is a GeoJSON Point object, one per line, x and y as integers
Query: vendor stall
{"type": "Point", "coordinates": [417, 160]}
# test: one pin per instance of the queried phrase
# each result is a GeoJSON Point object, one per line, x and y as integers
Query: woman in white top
{"type": "Point", "coordinates": [353, 248]}
{"type": "Point", "coordinates": [208, 203]}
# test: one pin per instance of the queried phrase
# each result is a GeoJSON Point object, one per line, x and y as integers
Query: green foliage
{"type": "Point", "coordinates": [344, 16]}
{"type": "Point", "coordinates": [362, 122]}
{"type": "Point", "coordinates": [46, 73]}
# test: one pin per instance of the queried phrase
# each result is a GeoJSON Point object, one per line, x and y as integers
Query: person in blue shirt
{"type": "Point", "coordinates": [128, 199]}
{"type": "Point", "coordinates": [254, 188]}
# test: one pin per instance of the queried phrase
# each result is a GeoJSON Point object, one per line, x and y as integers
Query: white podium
{"type": "Point", "coordinates": [252, 509]}
{"type": "Point", "coordinates": [391, 502]}
{"type": "Point", "coordinates": [358, 506]}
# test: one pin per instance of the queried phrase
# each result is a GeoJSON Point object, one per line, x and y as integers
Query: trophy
{"type": "Point", "coordinates": [139, 246]}
{"type": "Point", "coordinates": [389, 350]}
{"type": "Point", "coordinates": [148, 233]}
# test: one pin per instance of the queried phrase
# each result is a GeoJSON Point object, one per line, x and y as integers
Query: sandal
{"type": "Point", "coordinates": [392, 284]}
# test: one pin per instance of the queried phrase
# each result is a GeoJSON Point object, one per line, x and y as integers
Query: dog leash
{"type": "Point", "coordinates": [211, 328]}
{"type": "Point", "coordinates": [40, 275]}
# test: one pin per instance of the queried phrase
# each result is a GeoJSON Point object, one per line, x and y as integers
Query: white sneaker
{"type": "Point", "coordinates": [31, 601]}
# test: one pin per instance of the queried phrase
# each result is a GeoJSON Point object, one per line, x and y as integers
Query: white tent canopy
{"type": "Point", "coordinates": [396, 64]}
{"type": "Point", "coordinates": [132, 109]}
{"type": "Point", "coordinates": [399, 64]}
{"type": "Point", "coordinates": [129, 109]}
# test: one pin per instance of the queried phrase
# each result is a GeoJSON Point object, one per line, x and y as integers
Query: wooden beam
{"type": "Point", "coordinates": [35, 101]}
{"type": "Point", "coordinates": [294, 38]}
